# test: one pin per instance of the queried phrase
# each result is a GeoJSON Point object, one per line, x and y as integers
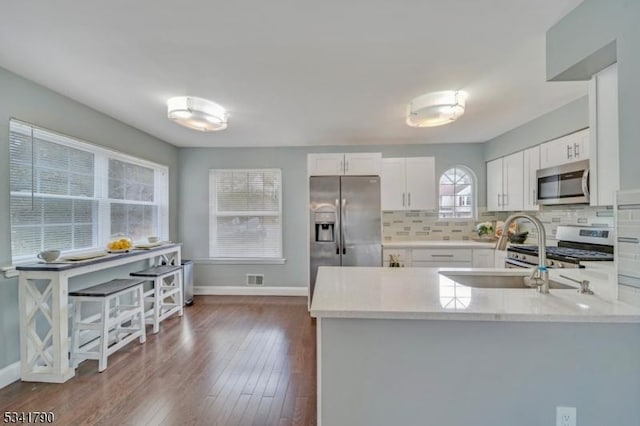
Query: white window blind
{"type": "Point", "coordinates": [71, 195]}
{"type": "Point", "coordinates": [457, 193]}
{"type": "Point", "coordinates": [245, 213]}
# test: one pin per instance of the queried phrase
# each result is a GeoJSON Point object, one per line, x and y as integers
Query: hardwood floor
{"type": "Point", "coordinates": [231, 360]}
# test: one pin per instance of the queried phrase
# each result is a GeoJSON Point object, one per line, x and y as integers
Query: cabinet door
{"type": "Point", "coordinates": [581, 145]}
{"type": "Point", "coordinates": [392, 187]}
{"type": "Point", "coordinates": [421, 183]}
{"type": "Point", "coordinates": [556, 152]}
{"type": "Point", "coordinates": [363, 164]}
{"type": "Point", "coordinates": [603, 121]}
{"type": "Point", "coordinates": [483, 258]}
{"type": "Point", "coordinates": [530, 184]}
{"type": "Point", "coordinates": [512, 181]}
{"type": "Point", "coordinates": [494, 185]}
{"type": "Point", "coordinates": [325, 164]}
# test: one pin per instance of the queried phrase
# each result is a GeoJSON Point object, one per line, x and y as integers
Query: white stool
{"type": "Point", "coordinates": [165, 297]}
{"type": "Point", "coordinates": [110, 322]}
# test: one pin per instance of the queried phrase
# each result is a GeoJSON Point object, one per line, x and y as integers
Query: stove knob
{"type": "Point", "coordinates": [515, 256]}
{"type": "Point", "coordinates": [550, 263]}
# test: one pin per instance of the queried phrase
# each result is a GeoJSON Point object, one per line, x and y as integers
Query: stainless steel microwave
{"type": "Point", "coordinates": [565, 184]}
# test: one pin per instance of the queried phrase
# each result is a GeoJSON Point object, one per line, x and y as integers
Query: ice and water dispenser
{"type": "Point", "coordinates": [325, 224]}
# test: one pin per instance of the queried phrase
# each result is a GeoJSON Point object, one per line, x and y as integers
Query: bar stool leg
{"type": "Point", "coordinates": [104, 343]}
{"type": "Point", "coordinates": [180, 295]}
{"type": "Point", "coordinates": [157, 304]}
{"type": "Point", "coordinates": [75, 337]}
{"type": "Point", "coordinates": [141, 322]}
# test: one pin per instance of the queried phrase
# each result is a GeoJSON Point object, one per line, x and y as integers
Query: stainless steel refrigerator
{"type": "Point", "coordinates": [345, 222]}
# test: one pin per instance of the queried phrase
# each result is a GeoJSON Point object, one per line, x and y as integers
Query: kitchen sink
{"type": "Point", "coordinates": [499, 281]}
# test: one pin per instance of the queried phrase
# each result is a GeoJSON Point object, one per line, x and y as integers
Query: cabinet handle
{"type": "Point", "coordinates": [409, 199]}
{"type": "Point", "coordinates": [504, 203]}
{"type": "Point", "coordinates": [441, 255]}
{"type": "Point", "coordinates": [535, 198]}
{"type": "Point", "coordinates": [628, 240]}
{"type": "Point", "coordinates": [403, 199]}
{"type": "Point", "coordinates": [346, 167]}
{"type": "Point", "coordinates": [576, 150]}
{"type": "Point", "coordinates": [569, 154]}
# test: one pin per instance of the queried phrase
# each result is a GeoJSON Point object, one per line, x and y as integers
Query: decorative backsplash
{"type": "Point", "coordinates": [552, 216]}
{"type": "Point", "coordinates": [420, 225]}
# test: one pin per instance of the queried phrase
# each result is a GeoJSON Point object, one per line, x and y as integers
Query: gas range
{"type": "Point", "coordinates": [575, 245]}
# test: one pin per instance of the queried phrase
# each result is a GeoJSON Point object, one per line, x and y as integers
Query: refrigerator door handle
{"type": "Point", "coordinates": [339, 233]}
{"type": "Point", "coordinates": [343, 212]}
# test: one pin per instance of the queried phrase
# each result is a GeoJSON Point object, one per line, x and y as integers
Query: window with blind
{"type": "Point", "coordinates": [70, 195]}
{"type": "Point", "coordinates": [457, 193]}
{"type": "Point", "coordinates": [245, 214]}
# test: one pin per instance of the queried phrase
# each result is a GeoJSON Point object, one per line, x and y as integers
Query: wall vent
{"type": "Point", "coordinates": [255, 279]}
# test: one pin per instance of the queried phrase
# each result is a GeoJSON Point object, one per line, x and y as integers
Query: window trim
{"type": "Point", "coordinates": [474, 193]}
{"type": "Point", "coordinates": [276, 260]}
{"type": "Point", "coordinates": [101, 188]}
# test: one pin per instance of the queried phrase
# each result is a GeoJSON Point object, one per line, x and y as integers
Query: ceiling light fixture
{"type": "Point", "coordinates": [197, 113]}
{"type": "Point", "coordinates": [436, 109]}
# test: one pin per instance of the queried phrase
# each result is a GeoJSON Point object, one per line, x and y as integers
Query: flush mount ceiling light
{"type": "Point", "coordinates": [436, 109]}
{"type": "Point", "coordinates": [197, 113]}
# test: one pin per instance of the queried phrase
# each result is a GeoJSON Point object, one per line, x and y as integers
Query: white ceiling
{"type": "Point", "coordinates": [293, 72]}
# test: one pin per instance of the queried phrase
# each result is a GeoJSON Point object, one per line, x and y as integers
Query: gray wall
{"type": "Point", "coordinates": [194, 199]}
{"type": "Point", "coordinates": [463, 373]}
{"type": "Point", "coordinates": [566, 119]}
{"type": "Point", "coordinates": [580, 38]}
{"type": "Point", "coordinates": [30, 102]}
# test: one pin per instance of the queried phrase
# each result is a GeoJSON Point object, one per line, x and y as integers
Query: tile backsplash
{"type": "Point", "coordinates": [426, 225]}
{"type": "Point", "coordinates": [552, 216]}
{"type": "Point", "coordinates": [418, 225]}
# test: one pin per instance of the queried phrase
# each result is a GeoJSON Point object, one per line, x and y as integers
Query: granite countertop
{"type": "Point", "coordinates": [439, 244]}
{"type": "Point", "coordinates": [422, 293]}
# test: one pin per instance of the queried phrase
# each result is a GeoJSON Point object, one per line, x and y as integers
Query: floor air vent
{"type": "Point", "coordinates": [255, 279]}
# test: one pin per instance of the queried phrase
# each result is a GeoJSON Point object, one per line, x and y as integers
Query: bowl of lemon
{"type": "Point", "coordinates": [119, 244]}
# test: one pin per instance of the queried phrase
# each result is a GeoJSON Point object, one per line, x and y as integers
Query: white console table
{"type": "Point", "coordinates": [44, 313]}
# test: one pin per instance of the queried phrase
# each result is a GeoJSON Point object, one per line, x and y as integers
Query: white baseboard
{"type": "Point", "coordinates": [228, 290]}
{"type": "Point", "coordinates": [9, 374]}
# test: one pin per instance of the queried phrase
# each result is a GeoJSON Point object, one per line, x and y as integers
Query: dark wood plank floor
{"type": "Point", "coordinates": [230, 360]}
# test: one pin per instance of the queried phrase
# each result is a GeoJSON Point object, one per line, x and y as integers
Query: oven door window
{"type": "Point", "coordinates": [566, 185]}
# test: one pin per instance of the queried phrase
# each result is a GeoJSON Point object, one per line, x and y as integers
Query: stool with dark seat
{"type": "Point", "coordinates": [115, 325]}
{"type": "Point", "coordinates": [165, 296]}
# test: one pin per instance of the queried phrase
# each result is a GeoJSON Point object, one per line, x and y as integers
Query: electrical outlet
{"type": "Point", "coordinates": [565, 416]}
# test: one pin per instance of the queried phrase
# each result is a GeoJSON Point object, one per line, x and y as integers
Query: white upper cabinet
{"type": "Point", "coordinates": [530, 181]}
{"type": "Point", "coordinates": [566, 149]}
{"type": "Point", "coordinates": [494, 185]}
{"type": "Point", "coordinates": [360, 164]}
{"type": "Point", "coordinates": [603, 119]}
{"type": "Point", "coordinates": [408, 183]}
{"type": "Point", "coordinates": [505, 183]}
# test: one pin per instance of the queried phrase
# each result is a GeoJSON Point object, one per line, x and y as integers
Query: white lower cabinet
{"type": "Point", "coordinates": [441, 257]}
{"type": "Point", "coordinates": [483, 258]}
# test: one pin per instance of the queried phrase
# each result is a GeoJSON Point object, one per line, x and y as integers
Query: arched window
{"type": "Point", "coordinates": [458, 193]}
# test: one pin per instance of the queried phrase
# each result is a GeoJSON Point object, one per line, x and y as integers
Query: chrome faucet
{"type": "Point", "coordinates": [540, 275]}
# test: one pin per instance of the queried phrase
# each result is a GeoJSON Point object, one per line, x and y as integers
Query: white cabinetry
{"type": "Point", "coordinates": [408, 183]}
{"type": "Point", "coordinates": [483, 258]}
{"type": "Point", "coordinates": [505, 183]}
{"type": "Point", "coordinates": [442, 258]}
{"type": "Point", "coordinates": [603, 119]}
{"type": "Point", "coordinates": [360, 163]}
{"type": "Point", "coordinates": [567, 149]}
{"type": "Point", "coordinates": [402, 255]}
{"type": "Point", "coordinates": [530, 182]}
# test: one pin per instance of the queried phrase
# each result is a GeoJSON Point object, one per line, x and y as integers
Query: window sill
{"type": "Point", "coordinates": [240, 261]}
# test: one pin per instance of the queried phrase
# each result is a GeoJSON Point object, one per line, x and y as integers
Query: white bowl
{"type": "Point", "coordinates": [153, 240]}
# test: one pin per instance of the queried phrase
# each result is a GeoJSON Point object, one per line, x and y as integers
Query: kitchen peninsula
{"type": "Point", "coordinates": [403, 345]}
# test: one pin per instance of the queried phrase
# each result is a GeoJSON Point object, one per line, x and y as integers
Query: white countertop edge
{"type": "Point", "coordinates": [477, 316]}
